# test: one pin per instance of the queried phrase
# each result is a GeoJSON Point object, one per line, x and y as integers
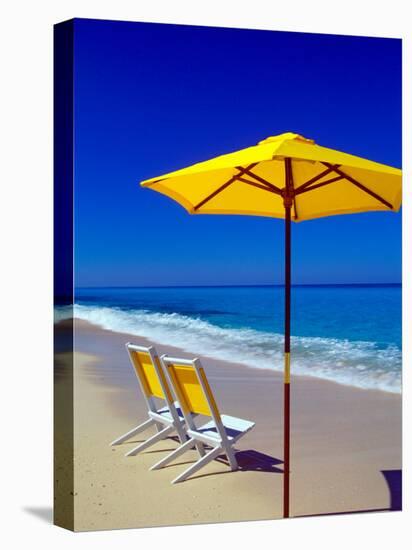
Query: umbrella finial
{"type": "Point", "coordinates": [285, 137]}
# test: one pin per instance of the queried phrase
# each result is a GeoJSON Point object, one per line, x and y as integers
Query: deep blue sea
{"type": "Point", "coordinates": [347, 333]}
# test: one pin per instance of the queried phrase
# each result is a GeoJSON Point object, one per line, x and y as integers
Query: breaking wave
{"type": "Point", "coordinates": [362, 364]}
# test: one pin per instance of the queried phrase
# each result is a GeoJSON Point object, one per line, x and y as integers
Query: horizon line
{"type": "Point", "coordinates": [268, 285]}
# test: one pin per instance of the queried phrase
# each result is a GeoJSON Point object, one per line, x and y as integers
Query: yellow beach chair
{"type": "Point", "coordinates": [154, 385]}
{"type": "Point", "coordinates": [193, 392]}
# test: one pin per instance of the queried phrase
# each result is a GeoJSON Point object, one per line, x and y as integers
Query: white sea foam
{"type": "Point", "coordinates": [62, 313]}
{"type": "Point", "coordinates": [360, 364]}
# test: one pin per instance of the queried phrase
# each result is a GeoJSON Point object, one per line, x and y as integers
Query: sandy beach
{"type": "Point", "coordinates": [345, 454]}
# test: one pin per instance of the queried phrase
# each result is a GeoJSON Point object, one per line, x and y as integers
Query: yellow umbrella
{"type": "Point", "coordinates": [285, 176]}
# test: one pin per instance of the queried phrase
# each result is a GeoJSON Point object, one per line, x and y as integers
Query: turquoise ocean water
{"type": "Point", "coordinates": [350, 334]}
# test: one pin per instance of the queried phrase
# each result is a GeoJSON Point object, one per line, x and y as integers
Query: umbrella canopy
{"type": "Point", "coordinates": [286, 176]}
{"type": "Point", "coordinates": [252, 181]}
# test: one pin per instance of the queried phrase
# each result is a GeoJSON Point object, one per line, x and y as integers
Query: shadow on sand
{"type": "Point", "coordinates": [259, 462]}
{"type": "Point", "coordinates": [248, 461]}
{"type": "Point", "coordinates": [393, 480]}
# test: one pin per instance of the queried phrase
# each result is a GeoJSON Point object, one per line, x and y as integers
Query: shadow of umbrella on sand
{"type": "Point", "coordinates": [289, 177]}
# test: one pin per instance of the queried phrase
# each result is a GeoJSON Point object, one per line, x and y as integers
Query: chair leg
{"type": "Point", "coordinates": [231, 457]}
{"type": "Point", "coordinates": [132, 432]}
{"type": "Point", "coordinates": [183, 437]}
{"type": "Point", "coordinates": [154, 439]}
{"type": "Point", "coordinates": [200, 448]}
{"type": "Point", "coordinates": [174, 454]}
{"type": "Point", "coordinates": [199, 464]}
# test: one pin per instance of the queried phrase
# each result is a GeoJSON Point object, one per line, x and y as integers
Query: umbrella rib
{"type": "Point", "coordinates": [260, 179]}
{"type": "Point", "coordinates": [223, 187]}
{"type": "Point", "coordinates": [330, 169]}
{"type": "Point", "coordinates": [295, 208]}
{"type": "Point", "coordinates": [360, 186]}
{"type": "Point", "coordinates": [259, 186]}
{"type": "Point", "coordinates": [321, 184]}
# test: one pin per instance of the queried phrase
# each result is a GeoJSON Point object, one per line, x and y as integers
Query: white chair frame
{"type": "Point", "coordinates": [166, 419]}
{"type": "Point", "coordinates": [221, 433]}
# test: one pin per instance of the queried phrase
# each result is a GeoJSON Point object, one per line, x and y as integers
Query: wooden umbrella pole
{"type": "Point", "coordinates": [288, 200]}
{"type": "Point", "coordinates": [286, 431]}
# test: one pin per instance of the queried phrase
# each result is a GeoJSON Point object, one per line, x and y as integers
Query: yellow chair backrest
{"type": "Point", "coordinates": [148, 376]}
{"type": "Point", "coordinates": [190, 392]}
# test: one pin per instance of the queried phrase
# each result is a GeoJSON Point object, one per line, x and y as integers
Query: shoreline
{"type": "Point", "coordinates": [232, 364]}
{"type": "Point", "coordinates": [345, 443]}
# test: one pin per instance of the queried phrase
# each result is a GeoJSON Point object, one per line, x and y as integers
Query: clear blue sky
{"type": "Point", "coordinates": [150, 98]}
